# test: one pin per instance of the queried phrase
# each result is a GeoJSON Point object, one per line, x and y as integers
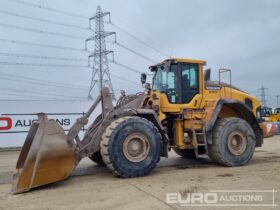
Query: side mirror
{"type": "Point", "coordinates": [143, 78]}
{"type": "Point", "coordinates": [207, 75]}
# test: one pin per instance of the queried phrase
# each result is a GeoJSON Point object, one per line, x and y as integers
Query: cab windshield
{"type": "Point", "coordinates": [178, 81]}
{"type": "Point", "coordinates": [165, 79]}
{"type": "Point", "coordinates": [266, 111]}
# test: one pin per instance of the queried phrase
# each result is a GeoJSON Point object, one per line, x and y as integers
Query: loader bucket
{"type": "Point", "coordinates": [47, 156]}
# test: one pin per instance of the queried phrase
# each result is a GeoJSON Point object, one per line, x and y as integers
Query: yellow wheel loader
{"type": "Point", "coordinates": [276, 115]}
{"type": "Point", "coordinates": [182, 110]}
{"type": "Point", "coordinates": [270, 116]}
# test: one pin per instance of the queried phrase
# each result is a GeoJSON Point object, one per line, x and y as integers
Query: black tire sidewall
{"type": "Point", "coordinates": [245, 128]}
{"type": "Point", "coordinates": [97, 158]}
{"type": "Point", "coordinates": [120, 163]}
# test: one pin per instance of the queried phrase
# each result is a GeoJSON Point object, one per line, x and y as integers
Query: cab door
{"type": "Point", "coordinates": [189, 81]}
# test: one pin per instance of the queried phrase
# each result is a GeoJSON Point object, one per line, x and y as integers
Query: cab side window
{"type": "Point", "coordinates": [190, 86]}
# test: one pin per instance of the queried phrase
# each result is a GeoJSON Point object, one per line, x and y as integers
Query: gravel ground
{"type": "Point", "coordinates": [93, 187]}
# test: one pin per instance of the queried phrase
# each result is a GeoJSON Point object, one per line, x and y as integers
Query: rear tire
{"type": "Point", "coordinates": [97, 158]}
{"type": "Point", "coordinates": [185, 153]}
{"type": "Point", "coordinates": [233, 142]}
{"type": "Point", "coordinates": [131, 146]}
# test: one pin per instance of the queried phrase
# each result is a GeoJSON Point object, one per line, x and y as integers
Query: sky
{"type": "Point", "coordinates": [241, 35]}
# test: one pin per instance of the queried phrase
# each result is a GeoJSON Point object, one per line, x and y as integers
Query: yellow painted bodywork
{"type": "Point", "coordinates": [187, 60]}
{"type": "Point", "coordinates": [202, 104]}
{"type": "Point", "coordinates": [274, 118]}
{"type": "Point", "coordinates": [179, 125]}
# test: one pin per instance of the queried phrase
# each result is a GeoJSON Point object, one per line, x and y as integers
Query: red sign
{"type": "Point", "coordinates": [8, 122]}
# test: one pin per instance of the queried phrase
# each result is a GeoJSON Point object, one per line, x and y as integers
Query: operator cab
{"type": "Point", "coordinates": [266, 111]}
{"type": "Point", "coordinates": [178, 79]}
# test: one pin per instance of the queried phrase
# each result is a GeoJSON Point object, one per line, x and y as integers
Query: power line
{"type": "Point", "coordinates": [28, 96]}
{"type": "Point", "coordinates": [129, 81]}
{"type": "Point", "coordinates": [41, 45]}
{"type": "Point", "coordinates": [60, 85]}
{"type": "Point", "coordinates": [40, 31]}
{"type": "Point", "coordinates": [127, 67]}
{"type": "Point", "coordinates": [139, 40]}
{"type": "Point", "coordinates": [58, 65]}
{"type": "Point", "coordinates": [40, 93]}
{"type": "Point", "coordinates": [42, 20]}
{"type": "Point", "coordinates": [35, 83]}
{"type": "Point", "coordinates": [42, 65]}
{"type": "Point", "coordinates": [40, 57]}
{"type": "Point", "coordinates": [71, 36]}
{"type": "Point", "coordinates": [134, 52]}
{"type": "Point", "coordinates": [49, 9]}
{"type": "Point", "coordinates": [49, 83]}
{"type": "Point", "coordinates": [32, 96]}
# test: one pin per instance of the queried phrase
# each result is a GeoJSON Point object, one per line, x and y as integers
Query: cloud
{"type": "Point", "coordinates": [241, 35]}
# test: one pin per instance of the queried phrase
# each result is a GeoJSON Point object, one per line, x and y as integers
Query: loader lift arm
{"type": "Point", "coordinates": [107, 106]}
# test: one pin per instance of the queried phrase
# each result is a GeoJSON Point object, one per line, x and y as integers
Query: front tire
{"type": "Point", "coordinates": [131, 146]}
{"type": "Point", "coordinates": [233, 142]}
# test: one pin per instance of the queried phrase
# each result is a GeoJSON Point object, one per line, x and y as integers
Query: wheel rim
{"type": "Point", "coordinates": [237, 143]}
{"type": "Point", "coordinates": [136, 147]}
